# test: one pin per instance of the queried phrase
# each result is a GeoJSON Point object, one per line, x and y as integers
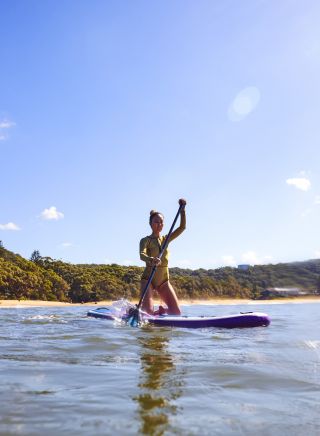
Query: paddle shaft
{"type": "Point", "coordinates": [164, 246]}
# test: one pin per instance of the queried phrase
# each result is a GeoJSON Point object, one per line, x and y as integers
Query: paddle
{"type": "Point", "coordinates": [134, 317]}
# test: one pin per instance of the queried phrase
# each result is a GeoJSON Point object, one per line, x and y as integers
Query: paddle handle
{"type": "Point", "coordinates": [163, 248]}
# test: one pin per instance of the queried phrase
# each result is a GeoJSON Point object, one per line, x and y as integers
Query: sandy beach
{"type": "Point", "coordinates": [216, 301]}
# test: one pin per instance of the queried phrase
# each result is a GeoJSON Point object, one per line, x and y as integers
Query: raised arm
{"type": "Point", "coordinates": [182, 225]}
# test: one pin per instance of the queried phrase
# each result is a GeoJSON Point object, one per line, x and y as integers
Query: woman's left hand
{"type": "Point", "coordinates": [182, 202]}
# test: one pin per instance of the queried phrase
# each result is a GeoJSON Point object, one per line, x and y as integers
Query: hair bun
{"type": "Point", "coordinates": [152, 212]}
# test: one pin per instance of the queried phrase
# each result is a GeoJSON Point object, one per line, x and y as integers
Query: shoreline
{"type": "Point", "coordinates": [183, 302]}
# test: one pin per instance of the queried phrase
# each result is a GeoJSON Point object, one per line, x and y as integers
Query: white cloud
{"type": "Point", "coordinates": [9, 226]}
{"type": "Point", "coordinates": [66, 244]}
{"type": "Point", "coordinates": [244, 103]}
{"type": "Point", "coordinates": [317, 199]}
{"type": "Point", "coordinates": [251, 258]}
{"type": "Point", "coordinates": [228, 260]}
{"type": "Point", "coordinates": [317, 253]}
{"type": "Point", "coordinates": [51, 214]}
{"type": "Point", "coordinates": [301, 183]}
{"type": "Point", "coordinates": [5, 125]}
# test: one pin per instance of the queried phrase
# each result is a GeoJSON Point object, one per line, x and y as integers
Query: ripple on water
{"type": "Point", "coordinates": [44, 319]}
{"type": "Point", "coordinates": [313, 345]}
{"type": "Point", "coordinates": [158, 380]}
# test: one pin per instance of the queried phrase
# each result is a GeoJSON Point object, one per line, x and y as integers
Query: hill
{"type": "Point", "coordinates": [53, 280]}
{"type": "Point", "coordinates": [23, 279]}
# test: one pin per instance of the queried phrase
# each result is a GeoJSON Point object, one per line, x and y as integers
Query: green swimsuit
{"type": "Point", "coordinates": [150, 247]}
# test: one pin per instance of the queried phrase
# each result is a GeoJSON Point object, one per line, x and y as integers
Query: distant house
{"type": "Point", "coordinates": [282, 292]}
{"type": "Point", "coordinates": [244, 267]}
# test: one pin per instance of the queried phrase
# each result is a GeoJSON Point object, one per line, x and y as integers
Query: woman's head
{"type": "Point", "coordinates": [156, 220]}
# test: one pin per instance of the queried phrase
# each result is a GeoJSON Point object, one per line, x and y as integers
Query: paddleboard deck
{"type": "Point", "coordinates": [241, 320]}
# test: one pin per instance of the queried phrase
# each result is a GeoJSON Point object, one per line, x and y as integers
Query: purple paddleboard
{"type": "Point", "coordinates": [248, 319]}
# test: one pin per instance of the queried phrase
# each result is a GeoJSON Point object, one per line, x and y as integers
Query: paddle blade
{"type": "Point", "coordinates": [134, 317]}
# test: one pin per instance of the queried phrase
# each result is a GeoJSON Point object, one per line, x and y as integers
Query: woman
{"type": "Point", "coordinates": [150, 248]}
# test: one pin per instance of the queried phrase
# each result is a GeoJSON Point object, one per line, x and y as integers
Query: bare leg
{"type": "Point", "coordinates": [168, 295]}
{"type": "Point", "coordinates": [147, 304]}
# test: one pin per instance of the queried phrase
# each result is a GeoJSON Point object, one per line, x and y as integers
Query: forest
{"type": "Point", "coordinates": [44, 278]}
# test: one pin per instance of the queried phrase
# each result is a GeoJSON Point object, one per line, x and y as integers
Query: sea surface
{"type": "Point", "coordinates": [64, 373]}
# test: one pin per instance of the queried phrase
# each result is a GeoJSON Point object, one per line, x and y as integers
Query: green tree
{"type": "Point", "coordinates": [35, 257]}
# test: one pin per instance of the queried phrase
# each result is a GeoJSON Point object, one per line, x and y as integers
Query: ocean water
{"type": "Point", "coordinates": [64, 373]}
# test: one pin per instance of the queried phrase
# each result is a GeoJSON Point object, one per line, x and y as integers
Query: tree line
{"type": "Point", "coordinates": [48, 279]}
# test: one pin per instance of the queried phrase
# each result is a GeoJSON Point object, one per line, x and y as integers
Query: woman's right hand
{"type": "Point", "coordinates": [156, 261]}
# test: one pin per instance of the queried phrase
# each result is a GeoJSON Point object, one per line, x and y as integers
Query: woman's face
{"type": "Point", "coordinates": [157, 223]}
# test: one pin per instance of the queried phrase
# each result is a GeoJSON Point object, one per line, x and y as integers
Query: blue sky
{"type": "Point", "coordinates": [109, 109]}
